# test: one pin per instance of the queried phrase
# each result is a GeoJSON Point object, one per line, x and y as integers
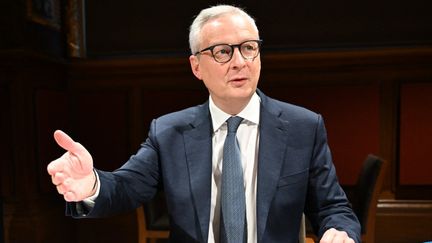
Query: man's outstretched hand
{"type": "Point", "coordinates": [72, 173]}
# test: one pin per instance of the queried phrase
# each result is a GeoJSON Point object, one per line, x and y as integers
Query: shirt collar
{"type": "Point", "coordinates": [249, 113]}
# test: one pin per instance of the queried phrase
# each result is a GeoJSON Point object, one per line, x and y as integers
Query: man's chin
{"type": "Point", "coordinates": [241, 94]}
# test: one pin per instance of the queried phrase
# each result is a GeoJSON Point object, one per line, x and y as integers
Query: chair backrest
{"type": "Point", "coordinates": [156, 213]}
{"type": "Point", "coordinates": [365, 202]}
{"type": "Point", "coordinates": [302, 233]}
{"type": "Point", "coordinates": [152, 220]}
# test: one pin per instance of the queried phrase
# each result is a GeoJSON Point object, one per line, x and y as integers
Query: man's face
{"type": "Point", "coordinates": [235, 81]}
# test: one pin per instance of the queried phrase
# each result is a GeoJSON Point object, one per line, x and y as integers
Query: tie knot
{"type": "Point", "coordinates": [233, 123]}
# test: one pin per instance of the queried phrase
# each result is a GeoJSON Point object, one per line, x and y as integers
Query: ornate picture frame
{"type": "Point", "coordinates": [45, 12]}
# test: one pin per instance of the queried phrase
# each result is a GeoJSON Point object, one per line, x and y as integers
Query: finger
{"type": "Point", "coordinates": [56, 166]}
{"type": "Point", "coordinates": [66, 190]}
{"type": "Point", "coordinates": [349, 240]}
{"type": "Point", "coordinates": [339, 237]}
{"type": "Point", "coordinates": [328, 236]}
{"type": "Point", "coordinates": [79, 157]}
{"type": "Point", "coordinates": [60, 189]}
{"type": "Point", "coordinates": [67, 184]}
{"type": "Point", "coordinates": [58, 178]}
{"type": "Point", "coordinates": [67, 143]}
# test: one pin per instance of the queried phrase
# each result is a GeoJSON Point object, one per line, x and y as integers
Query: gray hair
{"type": "Point", "coordinates": [209, 14]}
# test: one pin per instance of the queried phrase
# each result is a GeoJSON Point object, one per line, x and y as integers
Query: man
{"type": "Point", "coordinates": [284, 162]}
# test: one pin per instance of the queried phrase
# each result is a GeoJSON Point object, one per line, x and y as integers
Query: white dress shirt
{"type": "Point", "coordinates": [248, 137]}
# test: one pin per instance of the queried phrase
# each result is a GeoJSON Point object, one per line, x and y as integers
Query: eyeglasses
{"type": "Point", "coordinates": [223, 53]}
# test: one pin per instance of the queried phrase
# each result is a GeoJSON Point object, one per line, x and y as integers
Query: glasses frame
{"type": "Point", "coordinates": [233, 46]}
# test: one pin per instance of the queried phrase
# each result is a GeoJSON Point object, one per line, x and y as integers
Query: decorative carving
{"type": "Point", "coordinates": [45, 12]}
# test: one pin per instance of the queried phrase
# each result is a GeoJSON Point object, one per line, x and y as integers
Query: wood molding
{"type": "Point", "coordinates": [401, 221]}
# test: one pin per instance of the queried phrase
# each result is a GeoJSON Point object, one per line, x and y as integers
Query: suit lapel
{"type": "Point", "coordinates": [198, 146]}
{"type": "Point", "coordinates": [272, 147]}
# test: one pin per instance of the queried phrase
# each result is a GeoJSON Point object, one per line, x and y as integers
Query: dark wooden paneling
{"type": "Point", "coordinates": [51, 113]}
{"type": "Point", "coordinates": [157, 102]}
{"type": "Point", "coordinates": [28, 207]}
{"type": "Point", "coordinates": [415, 134]}
{"type": "Point", "coordinates": [100, 123]}
{"type": "Point", "coordinates": [119, 228]}
{"type": "Point", "coordinates": [6, 152]}
{"type": "Point", "coordinates": [162, 28]}
{"type": "Point", "coordinates": [12, 34]}
{"type": "Point", "coordinates": [400, 221]}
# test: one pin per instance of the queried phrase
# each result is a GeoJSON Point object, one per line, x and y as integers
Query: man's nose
{"type": "Point", "coordinates": [237, 57]}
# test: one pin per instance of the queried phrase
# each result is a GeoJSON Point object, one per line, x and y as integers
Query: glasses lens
{"type": "Point", "coordinates": [222, 53]}
{"type": "Point", "coordinates": [249, 49]}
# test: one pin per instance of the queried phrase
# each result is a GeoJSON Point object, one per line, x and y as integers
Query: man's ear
{"type": "Point", "coordinates": [194, 62]}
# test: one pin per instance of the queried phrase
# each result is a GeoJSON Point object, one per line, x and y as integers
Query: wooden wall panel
{"type": "Point", "coordinates": [51, 113]}
{"type": "Point", "coordinates": [31, 213]}
{"type": "Point", "coordinates": [157, 102]}
{"type": "Point", "coordinates": [6, 151]}
{"type": "Point", "coordinates": [118, 228]}
{"type": "Point", "coordinates": [284, 25]}
{"type": "Point", "coordinates": [100, 122]}
{"type": "Point", "coordinates": [100, 119]}
{"type": "Point", "coordinates": [403, 221]}
{"type": "Point", "coordinates": [415, 165]}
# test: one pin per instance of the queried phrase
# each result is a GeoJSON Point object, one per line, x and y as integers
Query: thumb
{"type": "Point", "coordinates": [67, 143]}
{"type": "Point", "coordinates": [83, 162]}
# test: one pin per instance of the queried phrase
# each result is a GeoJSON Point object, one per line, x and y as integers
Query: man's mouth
{"type": "Point", "coordinates": [239, 79]}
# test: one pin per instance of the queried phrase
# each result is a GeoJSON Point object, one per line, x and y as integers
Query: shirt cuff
{"type": "Point", "coordinates": [90, 201]}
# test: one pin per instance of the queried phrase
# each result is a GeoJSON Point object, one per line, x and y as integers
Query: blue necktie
{"type": "Point", "coordinates": [233, 206]}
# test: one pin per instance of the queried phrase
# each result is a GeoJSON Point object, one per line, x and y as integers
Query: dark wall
{"type": "Point", "coordinates": [161, 27]}
{"type": "Point", "coordinates": [12, 24]}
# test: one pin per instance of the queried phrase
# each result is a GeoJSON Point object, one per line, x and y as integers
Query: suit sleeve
{"type": "Point", "coordinates": [126, 188]}
{"type": "Point", "coordinates": [327, 205]}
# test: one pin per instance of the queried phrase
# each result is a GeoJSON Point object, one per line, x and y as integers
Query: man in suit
{"type": "Point", "coordinates": [285, 160]}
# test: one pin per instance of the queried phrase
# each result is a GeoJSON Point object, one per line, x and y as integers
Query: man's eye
{"type": "Point", "coordinates": [223, 52]}
{"type": "Point", "coordinates": [249, 47]}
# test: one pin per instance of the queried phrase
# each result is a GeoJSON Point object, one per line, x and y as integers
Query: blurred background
{"type": "Point", "coordinates": [101, 70]}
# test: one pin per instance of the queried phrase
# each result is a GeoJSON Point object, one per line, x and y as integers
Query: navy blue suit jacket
{"type": "Point", "coordinates": [295, 175]}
